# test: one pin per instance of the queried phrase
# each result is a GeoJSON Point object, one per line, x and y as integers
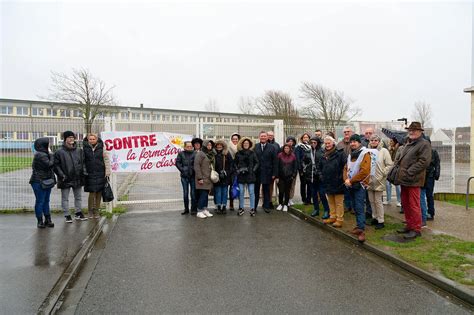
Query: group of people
{"type": "Point", "coordinates": [351, 175]}
{"type": "Point", "coordinates": [74, 168]}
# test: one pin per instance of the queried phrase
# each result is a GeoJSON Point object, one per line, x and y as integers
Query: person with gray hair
{"type": "Point", "coordinates": [345, 145]}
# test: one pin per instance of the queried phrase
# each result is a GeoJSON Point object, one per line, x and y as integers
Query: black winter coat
{"type": "Point", "coordinates": [331, 172]}
{"type": "Point", "coordinates": [268, 164]}
{"type": "Point", "coordinates": [43, 162]}
{"type": "Point", "coordinates": [311, 170]}
{"type": "Point", "coordinates": [219, 167]}
{"type": "Point", "coordinates": [246, 166]}
{"type": "Point", "coordinates": [95, 166]}
{"type": "Point", "coordinates": [69, 167]}
{"type": "Point", "coordinates": [185, 163]}
{"type": "Point", "coordinates": [434, 170]}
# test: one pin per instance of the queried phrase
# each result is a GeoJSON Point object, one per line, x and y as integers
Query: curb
{"type": "Point", "coordinates": [441, 282]}
{"type": "Point", "coordinates": [52, 299]}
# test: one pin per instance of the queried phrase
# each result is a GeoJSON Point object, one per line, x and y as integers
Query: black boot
{"type": "Point", "coordinates": [224, 210]}
{"type": "Point", "coordinates": [186, 211]}
{"type": "Point", "coordinates": [48, 221]}
{"type": "Point", "coordinates": [219, 211]}
{"type": "Point", "coordinates": [40, 224]}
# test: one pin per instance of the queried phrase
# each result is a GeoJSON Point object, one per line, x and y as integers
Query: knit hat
{"type": "Point", "coordinates": [68, 134]}
{"type": "Point", "coordinates": [196, 140]}
{"type": "Point", "coordinates": [355, 137]}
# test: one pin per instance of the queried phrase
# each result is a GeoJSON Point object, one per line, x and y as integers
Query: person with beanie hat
{"type": "Point", "coordinates": [70, 169]}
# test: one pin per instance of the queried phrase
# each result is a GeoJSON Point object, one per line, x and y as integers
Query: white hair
{"type": "Point", "coordinates": [330, 139]}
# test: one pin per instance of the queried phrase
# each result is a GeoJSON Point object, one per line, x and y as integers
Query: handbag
{"type": "Point", "coordinates": [393, 174]}
{"type": "Point", "coordinates": [214, 175]}
{"type": "Point", "coordinates": [235, 188]}
{"type": "Point", "coordinates": [107, 193]}
{"type": "Point", "coordinates": [48, 183]}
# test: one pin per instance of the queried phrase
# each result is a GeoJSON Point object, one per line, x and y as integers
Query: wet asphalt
{"type": "Point", "coordinates": [168, 263]}
{"type": "Point", "coordinates": [32, 259]}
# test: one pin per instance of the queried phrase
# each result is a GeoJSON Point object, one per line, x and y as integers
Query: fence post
{"type": "Point", "coordinates": [453, 161]}
{"type": "Point", "coordinates": [109, 125]}
{"type": "Point", "coordinates": [279, 131]}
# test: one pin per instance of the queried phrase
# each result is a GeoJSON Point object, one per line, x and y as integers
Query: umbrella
{"type": "Point", "coordinates": [397, 134]}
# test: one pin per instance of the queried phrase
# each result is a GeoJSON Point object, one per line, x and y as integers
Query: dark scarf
{"type": "Point", "coordinates": [327, 153]}
{"type": "Point", "coordinates": [355, 154]}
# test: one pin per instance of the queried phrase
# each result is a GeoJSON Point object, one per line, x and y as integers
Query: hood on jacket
{"type": "Point", "coordinates": [42, 144]}
{"type": "Point", "coordinates": [239, 145]}
{"type": "Point", "coordinates": [235, 134]}
{"type": "Point", "coordinates": [204, 146]}
{"type": "Point", "coordinates": [224, 145]}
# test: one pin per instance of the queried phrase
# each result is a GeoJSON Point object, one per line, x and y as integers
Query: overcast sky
{"type": "Point", "coordinates": [180, 54]}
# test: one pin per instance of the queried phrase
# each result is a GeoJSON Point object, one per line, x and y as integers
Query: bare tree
{"type": "Point", "coordinates": [247, 105]}
{"type": "Point", "coordinates": [280, 105]}
{"type": "Point", "coordinates": [211, 106]}
{"type": "Point", "coordinates": [422, 113]}
{"type": "Point", "coordinates": [327, 107]}
{"type": "Point", "coordinates": [89, 93]}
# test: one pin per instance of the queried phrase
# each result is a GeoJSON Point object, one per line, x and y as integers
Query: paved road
{"type": "Point", "coordinates": [167, 263]}
{"type": "Point", "coordinates": [32, 260]}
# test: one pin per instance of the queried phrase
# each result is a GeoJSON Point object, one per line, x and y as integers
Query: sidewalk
{"type": "Point", "coordinates": [449, 219]}
{"type": "Point", "coordinates": [32, 259]}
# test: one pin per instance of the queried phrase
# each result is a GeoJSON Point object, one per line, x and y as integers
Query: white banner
{"type": "Point", "coordinates": [131, 151]}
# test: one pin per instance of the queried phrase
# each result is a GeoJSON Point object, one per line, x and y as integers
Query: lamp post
{"type": "Point", "coordinates": [404, 120]}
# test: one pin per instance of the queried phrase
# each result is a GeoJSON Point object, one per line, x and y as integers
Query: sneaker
{"type": "Point", "coordinates": [241, 211]}
{"type": "Point", "coordinates": [399, 204]}
{"type": "Point", "coordinates": [68, 219]}
{"type": "Point", "coordinates": [79, 216]}
{"type": "Point", "coordinates": [285, 208]}
{"type": "Point", "coordinates": [385, 203]}
{"type": "Point", "coordinates": [252, 212]}
{"type": "Point", "coordinates": [279, 207]}
{"type": "Point", "coordinates": [379, 226]}
{"type": "Point", "coordinates": [201, 215]}
{"type": "Point", "coordinates": [207, 213]}
{"type": "Point", "coordinates": [290, 202]}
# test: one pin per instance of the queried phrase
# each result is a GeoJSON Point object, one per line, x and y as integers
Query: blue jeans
{"type": "Point", "coordinates": [220, 195]}
{"type": "Point", "coordinates": [251, 189]}
{"type": "Point", "coordinates": [358, 197]}
{"type": "Point", "coordinates": [423, 205]}
{"type": "Point", "coordinates": [188, 186]}
{"type": "Point", "coordinates": [388, 187]}
{"type": "Point", "coordinates": [203, 199]}
{"type": "Point", "coordinates": [318, 189]}
{"type": "Point", "coordinates": [42, 200]}
{"type": "Point", "coordinates": [348, 204]}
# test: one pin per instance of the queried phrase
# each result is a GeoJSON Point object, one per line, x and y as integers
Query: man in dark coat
{"type": "Point", "coordinates": [412, 164]}
{"type": "Point", "coordinates": [427, 199]}
{"type": "Point", "coordinates": [70, 169]}
{"type": "Point", "coordinates": [271, 140]}
{"type": "Point", "coordinates": [267, 171]}
{"type": "Point", "coordinates": [185, 165]}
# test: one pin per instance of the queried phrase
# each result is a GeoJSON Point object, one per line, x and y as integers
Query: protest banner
{"type": "Point", "coordinates": [131, 151]}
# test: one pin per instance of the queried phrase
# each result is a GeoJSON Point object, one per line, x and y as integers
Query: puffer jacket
{"type": "Point", "coordinates": [97, 166]}
{"type": "Point", "coordinates": [223, 162]}
{"type": "Point", "coordinates": [383, 165]}
{"type": "Point", "coordinates": [69, 166]}
{"type": "Point", "coordinates": [331, 168]}
{"type": "Point", "coordinates": [246, 163]}
{"type": "Point", "coordinates": [413, 161]}
{"type": "Point", "coordinates": [185, 163]}
{"type": "Point", "coordinates": [287, 166]}
{"type": "Point", "coordinates": [202, 168]}
{"type": "Point", "coordinates": [43, 162]}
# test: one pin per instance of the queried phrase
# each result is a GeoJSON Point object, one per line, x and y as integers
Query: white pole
{"type": "Point", "coordinates": [453, 161]}
{"type": "Point", "coordinates": [279, 131]}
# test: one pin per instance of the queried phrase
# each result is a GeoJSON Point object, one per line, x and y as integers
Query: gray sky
{"type": "Point", "coordinates": [179, 55]}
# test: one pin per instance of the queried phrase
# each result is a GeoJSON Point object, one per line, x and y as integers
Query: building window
{"type": "Point", "coordinates": [135, 116]}
{"type": "Point", "coordinates": [175, 118]}
{"type": "Point", "coordinates": [209, 119]}
{"type": "Point", "coordinates": [6, 110]}
{"type": "Point", "coordinates": [37, 111]}
{"type": "Point", "coordinates": [77, 113]}
{"type": "Point", "coordinates": [184, 118]}
{"type": "Point", "coordinates": [51, 112]}
{"type": "Point", "coordinates": [22, 110]}
{"type": "Point", "coordinates": [146, 116]}
{"type": "Point", "coordinates": [22, 135]}
{"type": "Point", "coordinates": [193, 118]}
{"type": "Point", "coordinates": [64, 113]}
{"type": "Point", "coordinates": [6, 135]}
{"type": "Point", "coordinates": [113, 115]}
{"type": "Point", "coordinates": [156, 117]}
{"type": "Point", "coordinates": [124, 116]}
{"type": "Point", "coordinates": [166, 117]}
{"type": "Point", "coordinates": [37, 134]}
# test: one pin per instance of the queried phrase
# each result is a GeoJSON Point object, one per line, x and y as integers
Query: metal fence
{"type": "Point", "coordinates": [16, 153]}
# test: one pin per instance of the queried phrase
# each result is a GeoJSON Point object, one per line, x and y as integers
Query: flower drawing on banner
{"type": "Point", "coordinates": [124, 165]}
{"type": "Point", "coordinates": [177, 141]}
{"type": "Point", "coordinates": [115, 162]}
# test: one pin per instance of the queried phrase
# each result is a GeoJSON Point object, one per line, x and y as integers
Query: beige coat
{"type": "Point", "coordinates": [202, 169]}
{"type": "Point", "coordinates": [384, 163]}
